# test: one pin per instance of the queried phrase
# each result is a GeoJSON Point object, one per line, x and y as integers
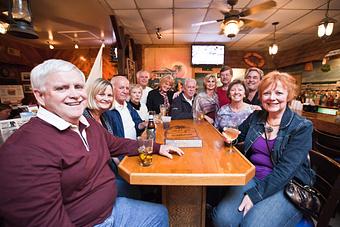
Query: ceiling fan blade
{"type": "Point", "coordinates": [206, 22]}
{"type": "Point", "coordinates": [253, 23]}
{"type": "Point", "coordinates": [258, 8]}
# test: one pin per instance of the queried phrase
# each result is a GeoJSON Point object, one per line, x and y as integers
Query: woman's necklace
{"type": "Point", "coordinates": [270, 127]}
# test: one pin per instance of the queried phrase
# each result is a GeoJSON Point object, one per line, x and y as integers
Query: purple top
{"type": "Point", "coordinates": [260, 157]}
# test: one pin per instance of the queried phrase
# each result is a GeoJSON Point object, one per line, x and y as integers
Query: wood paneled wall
{"type": "Point", "coordinates": [17, 53]}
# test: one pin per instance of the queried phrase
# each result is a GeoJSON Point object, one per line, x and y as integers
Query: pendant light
{"type": "Point", "coordinates": [326, 25]}
{"type": "Point", "coordinates": [273, 48]}
{"type": "Point", "coordinates": [20, 18]}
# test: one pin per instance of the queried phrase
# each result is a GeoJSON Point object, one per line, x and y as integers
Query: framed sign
{"type": "Point", "coordinates": [131, 71]}
{"type": "Point", "coordinates": [27, 88]}
{"type": "Point", "coordinates": [25, 76]}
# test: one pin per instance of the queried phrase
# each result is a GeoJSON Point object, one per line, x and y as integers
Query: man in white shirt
{"type": "Point", "coordinates": [123, 118]}
{"type": "Point", "coordinates": [181, 107]}
{"type": "Point", "coordinates": [143, 79]}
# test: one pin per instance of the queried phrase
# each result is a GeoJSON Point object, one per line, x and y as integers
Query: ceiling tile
{"type": "Point", "coordinates": [131, 20]}
{"type": "Point", "coordinates": [183, 19]}
{"type": "Point", "coordinates": [158, 18]}
{"type": "Point", "coordinates": [121, 4]}
{"type": "Point", "coordinates": [142, 39]}
{"type": "Point", "coordinates": [191, 3]}
{"type": "Point", "coordinates": [184, 38]}
{"type": "Point", "coordinates": [152, 4]}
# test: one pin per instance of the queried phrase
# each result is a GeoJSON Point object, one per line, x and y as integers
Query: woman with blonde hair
{"type": "Point", "coordinates": [99, 100]}
{"type": "Point", "coordinates": [277, 141]}
{"type": "Point", "coordinates": [206, 102]}
{"type": "Point", "coordinates": [162, 95]}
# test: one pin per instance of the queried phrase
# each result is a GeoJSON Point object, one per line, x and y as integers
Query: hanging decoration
{"type": "Point", "coordinates": [254, 59]}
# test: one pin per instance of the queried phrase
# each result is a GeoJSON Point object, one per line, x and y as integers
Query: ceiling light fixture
{"type": "Point", "coordinates": [19, 14]}
{"type": "Point", "coordinates": [273, 48]}
{"type": "Point", "coordinates": [158, 33]}
{"type": "Point", "coordinates": [50, 45]}
{"type": "Point", "coordinates": [326, 25]}
{"type": "Point", "coordinates": [232, 27]}
{"type": "Point", "coordinates": [3, 27]}
{"type": "Point", "coordinates": [76, 45]}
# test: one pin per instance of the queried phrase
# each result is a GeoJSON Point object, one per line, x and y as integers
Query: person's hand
{"type": "Point", "coordinates": [176, 94]}
{"type": "Point", "coordinates": [165, 150]}
{"type": "Point", "coordinates": [245, 205]}
{"type": "Point", "coordinates": [256, 107]}
{"type": "Point", "coordinates": [143, 125]}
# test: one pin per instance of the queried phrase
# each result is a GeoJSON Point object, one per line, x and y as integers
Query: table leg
{"type": "Point", "coordinates": [186, 205]}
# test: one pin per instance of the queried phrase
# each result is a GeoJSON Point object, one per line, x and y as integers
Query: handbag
{"type": "Point", "coordinates": [304, 197]}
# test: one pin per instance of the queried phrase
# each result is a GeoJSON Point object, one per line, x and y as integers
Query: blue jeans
{"type": "Point", "coordinates": [129, 212]}
{"type": "Point", "coordinates": [273, 211]}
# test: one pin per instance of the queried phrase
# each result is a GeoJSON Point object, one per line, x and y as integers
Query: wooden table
{"type": "Point", "coordinates": [184, 179]}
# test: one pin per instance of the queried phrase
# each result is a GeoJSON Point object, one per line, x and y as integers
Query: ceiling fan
{"type": "Point", "coordinates": [233, 19]}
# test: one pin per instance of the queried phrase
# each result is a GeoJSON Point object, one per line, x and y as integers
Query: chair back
{"type": "Point", "coordinates": [327, 183]}
{"type": "Point", "coordinates": [327, 144]}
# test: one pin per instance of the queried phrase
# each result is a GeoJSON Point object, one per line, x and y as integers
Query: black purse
{"type": "Point", "coordinates": [304, 197]}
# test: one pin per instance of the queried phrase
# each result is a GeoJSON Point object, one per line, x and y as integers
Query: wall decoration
{"type": "Point", "coordinates": [25, 76]}
{"type": "Point", "coordinates": [131, 71]}
{"type": "Point", "coordinates": [27, 88]}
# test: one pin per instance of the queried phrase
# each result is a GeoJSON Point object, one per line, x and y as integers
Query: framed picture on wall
{"type": "Point", "coordinates": [131, 71]}
{"type": "Point", "coordinates": [27, 88]}
{"type": "Point", "coordinates": [25, 76]}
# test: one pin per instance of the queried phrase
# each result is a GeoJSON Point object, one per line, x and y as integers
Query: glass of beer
{"type": "Point", "coordinates": [200, 116]}
{"type": "Point", "coordinates": [166, 122]}
{"type": "Point", "coordinates": [162, 110]}
{"type": "Point", "coordinates": [230, 135]}
{"type": "Point", "coordinates": [145, 147]}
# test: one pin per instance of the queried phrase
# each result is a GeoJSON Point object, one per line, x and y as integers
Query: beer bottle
{"type": "Point", "coordinates": [151, 129]}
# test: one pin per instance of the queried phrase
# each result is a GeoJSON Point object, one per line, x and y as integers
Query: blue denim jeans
{"type": "Point", "coordinates": [129, 212]}
{"type": "Point", "coordinates": [273, 211]}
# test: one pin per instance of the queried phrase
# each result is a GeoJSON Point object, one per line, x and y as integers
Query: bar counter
{"type": "Point", "coordinates": [323, 122]}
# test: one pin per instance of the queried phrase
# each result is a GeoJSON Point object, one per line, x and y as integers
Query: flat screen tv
{"type": "Point", "coordinates": [207, 55]}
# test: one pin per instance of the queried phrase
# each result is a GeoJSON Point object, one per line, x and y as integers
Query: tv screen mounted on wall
{"type": "Point", "coordinates": [207, 55]}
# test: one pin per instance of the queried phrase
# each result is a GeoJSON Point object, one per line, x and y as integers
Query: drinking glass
{"type": "Point", "coordinates": [162, 109]}
{"type": "Point", "coordinates": [199, 115]}
{"type": "Point", "coordinates": [166, 122]}
{"type": "Point", "coordinates": [145, 147]}
{"type": "Point", "coordinates": [231, 135]}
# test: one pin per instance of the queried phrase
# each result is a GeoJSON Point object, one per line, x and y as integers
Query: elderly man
{"type": "Point", "coordinates": [54, 169]}
{"type": "Point", "coordinates": [181, 107]}
{"type": "Point", "coordinates": [226, 74]}
{"type": "Point", "coordinates": [123, 118]}
{"type": "Point", "coordinates": [143, 79]}
{"type": "Point", "coordinates": [252, 80]}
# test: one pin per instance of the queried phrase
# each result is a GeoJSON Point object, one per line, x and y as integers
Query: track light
{"type": "Point", "coordinates": [3, 27]}
{"type": "Point", "coordinates": [273, 48]}
{"type": "Point", "coordinates": [50, 45]}
{"type": "Point", "coordinates": [158, 34]}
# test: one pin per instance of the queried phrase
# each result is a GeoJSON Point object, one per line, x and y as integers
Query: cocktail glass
{"type": "Point", "coordinates": [230, 135]}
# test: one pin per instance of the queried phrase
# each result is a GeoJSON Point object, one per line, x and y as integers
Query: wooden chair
{"type": "Point", "coordinates": [327, 183]}
{"type": "Point", "coordinates": [327, 144]}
